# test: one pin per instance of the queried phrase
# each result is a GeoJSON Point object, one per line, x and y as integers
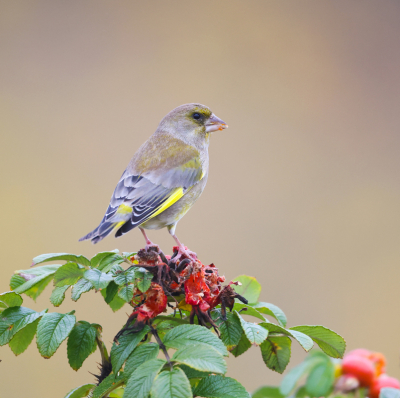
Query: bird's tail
{"type": "Point", "coordinates": [104, 229]}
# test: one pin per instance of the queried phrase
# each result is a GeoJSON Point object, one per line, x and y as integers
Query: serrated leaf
{"type": "Point", "coordinates": [184, 335]}
{"type": "Point", "coordinates": [127, 343]}
{"type": "Point", "coordinates": [14, 319]}
{"type": "Point", "coordinates": [142, 353]}
{"type": "Point", "coordinates": [272, 310]}
{"type": "Point", "coordinates": [82, 286]}
{"type": "Point", "coordinates": [329, 341]}
{"type": "Point", "coordinates": [80, 392]}
{"type": "Point", "coordinates": [389, 392]}
{"type": "Point", "coordinates": [58, 295]}
{"type": "Point", "coordinates": [110, 383]}
{"type": "Point", "coordinates": [231, 330]}
{"type": "Point", "coordinates": [23, 338]}
{"type": "Point", "coordinates": [68, 274]}
{"type": "Point", "coordinates": [320, 381]}
{"type": "Point", "coordinates": [81, 343]}
{"type": "Point", "coordinates": [267, 392]}
{"type": "Point", "coordinates": [193, 373]}
{"type": "Point", "coordinates": [52, 330]}
{"type": "Point", "coordinates": [255, 333]}
{"type": "Point", "coordinates": [305, 341]}
{"type": "Point", "coordinates": [108, 262]}
{"type": "Point", "coordinates": [243, 345]}
{"type": "Point", "coordinates": [275, 352]}
{"type": "Point", "coordinates": [111, 291]}
{"type": "Point", "coordinates": [99, 279]}
{"type": "Point", "coordinates": [250, 288]}
{"type": "Point", "coordinates": [220, 387]}
{"type": "Point", "coordinates": [293, 376]}
{"type": "Point", "coordinates": [248, 310]}
{"type": "Point", "coordinates": [32, 282]}
{"type": "Point", "coordinates": [116, 303]}
{"type": "Point", "coordinates": [95, 260]}
{"type": "Point", "coordinates": [126, 292]}
{"type": "Point", "coordinates": [141, 380]}
{"type": "Point", "coordinates": [171, 384]}
{"type": "Point", "coordinates": [143, 279]}
{"type": "Point", "coordinates": [9, 299]}
{"type": "Point", "coordinates": [125, 277]}
{"type": "Point", "coordinates": [202, 357]}
{"type": "Point", "coordinates": [61, 256]}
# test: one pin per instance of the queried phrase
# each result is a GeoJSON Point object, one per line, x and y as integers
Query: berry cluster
{"type": "Point", "coordinates": [364, 368]}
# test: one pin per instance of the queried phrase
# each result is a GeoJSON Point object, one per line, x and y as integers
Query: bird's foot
{"type": "Point", "coordinates": [184, 252]}
{"type": "Point", "coordinates": [150, 246]}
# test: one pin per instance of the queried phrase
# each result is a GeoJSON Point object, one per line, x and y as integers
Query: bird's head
{"type": "Point", "coordinates": [192, 121]}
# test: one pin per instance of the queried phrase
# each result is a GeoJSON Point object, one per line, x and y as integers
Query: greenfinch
{"type": "Point", "coordinates": [164, 178]}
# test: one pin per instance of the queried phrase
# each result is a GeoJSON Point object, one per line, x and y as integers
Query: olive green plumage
{"type": "Point", "coordinates": [165, 176]}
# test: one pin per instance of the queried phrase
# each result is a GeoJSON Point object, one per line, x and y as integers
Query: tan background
{"type": "Point", "coordinates": [304, 189]}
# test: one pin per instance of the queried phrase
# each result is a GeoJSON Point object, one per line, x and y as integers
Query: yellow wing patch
{"type": "Point", "coordinates": [175, 196]}
{"type": "Point", "coordinates": [124, 209]}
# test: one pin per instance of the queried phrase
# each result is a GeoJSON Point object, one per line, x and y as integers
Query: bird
{"type": "Point", "coordinates": [164, 178]}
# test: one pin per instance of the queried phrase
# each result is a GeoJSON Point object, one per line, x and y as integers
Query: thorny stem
{"type": "Point", "coordinates": [105, 359]}
{"type": "Point", "coordinates": [162, 346]}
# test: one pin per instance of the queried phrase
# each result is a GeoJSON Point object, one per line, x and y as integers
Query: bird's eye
{"type": "Point", "coordinates": [196, 116]}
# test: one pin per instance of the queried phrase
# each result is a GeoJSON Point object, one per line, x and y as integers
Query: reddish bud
{"type": "Point", "coordinates": [383, 381]}
{"type": "Point", "coordinates": [359, 367]}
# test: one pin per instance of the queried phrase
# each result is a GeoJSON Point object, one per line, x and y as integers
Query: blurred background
{"type": "Point", "coordinates": [304, 186]}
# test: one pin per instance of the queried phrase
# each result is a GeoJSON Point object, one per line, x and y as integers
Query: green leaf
{"type": "Point", "coordinates": [9, 299]}
{"type": "Point", "coordinates": [99, 279]}
{"type": "Point", "coordinates": [267, 392]}
{"type": "Point", "coordinates": [143, 279]}
{"type": "Point", "coordinates": [171, 384]}
{"type": "Point", "coordinates": [142, 353]}
{"type": "Point", "coordinates": [58, 295]}
{"type": "Point", "coordinates": [21, 340]}
{"type": "Point", "coordinates": [68, 274]}
{"type": "Point", "coordinates": [82, 286]}
{"type": "Point", "coordinates": [33, 281]}
{"type": "Point", "coordinates": [95, 260]}
{"type": "Point", "coordinates": [220, 387]}
{"type": "Point", "coordinates": [243, 345]}
{"type": "Point", "coordinates": [329, 342]}
{"type": "Point", "coordinates": [81, 343]}
{"type": "Point", "coordinates": [231, 330]}
{"type": "Point", "coordinates": [52, 330]}
{"type": "Point", "coordinates": [293, 376]}
{"type": "Point", "coordinates": [125, 277]}
{"type": "Point", "coordinates": [272, 310]}
{"type": "Point", "coordinates": [110, 383]}
{"type": "Point", "coordinates": [255, 333]}
{"type": "Point", "coordinates": [111, 291]}
{"type": "Point", "coordinates": [80, 392]}
{"type": "Point", "coordinates": [61, 256]}
{"type": "Point", "coordinates": [127, 343]}
{"type": "Point", "coordinates": [116, 303]}
{"type": "Point", "coordinates": [250, 288]}
{"type": "Point", "coordinates": [14, 319]}
{"type": "Point", "coordinates": [305, 341]}
{"type": "Point", "coordinates": [184, 335]}
{"type": "Point", "coordinates": [248, 310]}
{"type": "Point", "coordinates": [275, 352]}
{"type": "Point", "coordinates": [389, 392]}
{"type": "Point", "coordinates": [141, 380]}
{"type": "Point", "coordinates": [202, 357]}
{"type": "Point", "coordinates": [109, 262]}
{"type": "Point", "coordinates": [126, 292]}
{"type": "Point", "coordinates": [321, 379]}
{"type": "Point", "coordinates": [193, 373]}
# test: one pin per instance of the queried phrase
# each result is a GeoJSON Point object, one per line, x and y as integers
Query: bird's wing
{"type": "Point", "coordinates": [160, 173]}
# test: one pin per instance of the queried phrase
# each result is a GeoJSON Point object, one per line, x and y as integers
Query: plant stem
{"type": "Point", "coordinates": [162, 346]}
{"type": "Point", "coordinates": [105, 359]}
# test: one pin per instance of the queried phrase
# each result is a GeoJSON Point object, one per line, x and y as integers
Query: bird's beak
{"type": "Point", "coordinates": [215, 123]}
